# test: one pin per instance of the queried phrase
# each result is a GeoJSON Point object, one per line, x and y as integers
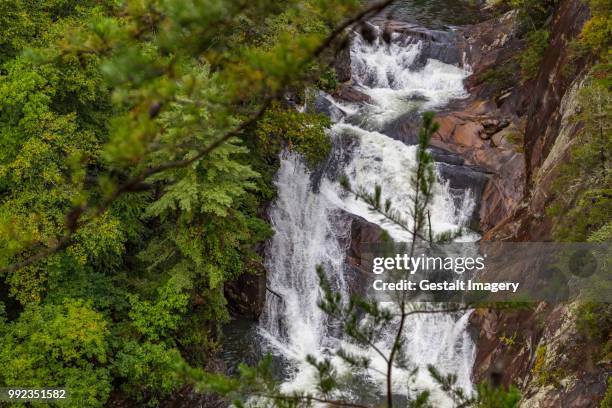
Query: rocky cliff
{"type": "Point", "coordinates": [521, 132]}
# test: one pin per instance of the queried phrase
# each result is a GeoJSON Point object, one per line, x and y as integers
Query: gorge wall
{"type": "Point", "coordinates": [521, 134]}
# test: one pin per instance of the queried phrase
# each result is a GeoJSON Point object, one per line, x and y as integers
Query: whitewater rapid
{"type": "Point", "coordinates": [309, 227]}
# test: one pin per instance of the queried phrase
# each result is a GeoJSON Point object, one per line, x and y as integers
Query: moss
{"type": "Point", "coordinates": [508, 341]}
{"type": "Point", "coordinates": [518, 140]}
{"type": "Point", "coordinates": [327, 80]}
{"type": "Point", "coordinates": [540, 360]}
{"type": "Point", "coordinates": [532, 14]}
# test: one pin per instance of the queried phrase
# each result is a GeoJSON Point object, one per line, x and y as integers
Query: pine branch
{"type": "Point", "coordinates": [135, 183]}
{"type": "Point", "coordinates": [387, 212]}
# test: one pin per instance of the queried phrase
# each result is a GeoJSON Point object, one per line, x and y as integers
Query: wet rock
{"type": "Point", "coordinates": [348, 93]}
{"type": "Point", "coordinates": [447, 157]}
{"type": "Point", "coordinates": [488, 43]}
{"type": "Point", "coordinates": [461, 178]}
{"type": "Point", "coordinates": [435, 44]}
{"type": "Point", "coordinates": [467, 134]}
{"type": "Point", "coordinates": [445, 52]}
{"type": "Point", "coordinates": [409, 33]}
{"type": "Point", "coordinates": [491, 126]}
{"type": "Point", "coordinates": [492, 356]}
{"type": "Point", "coordinates": [417, 96]}
{"type": "Point", "coordinates": [405, 128]}
{"type": "Point", "coordinates": [507, 138]}
{"type": "Point", "coordinates": [503, 193]}
{"type": "Point", "coordinates": [363, 234]}
{"type": "Point", "coordinates": [368, 32]}
{"type": "Point", "coordinates": [246, 294]}
{"type": "Point", "coordinates": [341, 154]}
{"type": "Point", "coordinates": [323, 104]}
{"type": "Point", "coordinates": [342, 63]}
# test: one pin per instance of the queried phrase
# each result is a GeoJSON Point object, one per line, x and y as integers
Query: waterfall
{"type": "Point", "coordinates": [309, 231]}
{"type": "Point", "coordinates": [305, 236]}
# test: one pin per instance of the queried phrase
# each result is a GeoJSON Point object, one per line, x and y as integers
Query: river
{"type": "Point", "coordinates": [310, 228]}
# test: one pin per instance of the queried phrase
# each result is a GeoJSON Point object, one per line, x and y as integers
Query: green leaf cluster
{"type": "Point", "coordinates": [306, 133]}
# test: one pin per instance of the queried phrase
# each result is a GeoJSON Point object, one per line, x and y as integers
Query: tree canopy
{"type": "Point", "coordinates": [132, 172]}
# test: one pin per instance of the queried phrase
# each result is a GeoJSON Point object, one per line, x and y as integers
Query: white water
{"type": "Point", "coordinates": [308, 228]}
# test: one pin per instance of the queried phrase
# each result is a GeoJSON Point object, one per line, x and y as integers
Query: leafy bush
{"type": "Point", "coordinates": [61, 345]}
{"type": "Point", "coordinates": [595, 320]}
{"type": "Point", "coordinates": [306, 133]}
{"type": "Point", "coordinates": [497, 397]}
{"type": "Point", "coordinates": [597, 32]}
{"type": "Point", "coordinates": [147, 370]}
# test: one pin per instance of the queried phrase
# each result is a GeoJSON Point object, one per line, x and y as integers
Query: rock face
{"type": "Point", "coordinates": [548, 128]}
{"type": "Point", "coordinates": [247, 294]}
{"type": "Point", "coordinates": [521, 137]}
{"type": "Point", "coordinates": [362, 234]}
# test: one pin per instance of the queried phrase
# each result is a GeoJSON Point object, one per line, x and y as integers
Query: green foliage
{"type": "Point", "coordinates": [534, 17]}
{"type": "Point", "coordinates": [531, 58]}
{"type": "Point", "coordinates": [597, 32]}
{"type": "Point", "coordinates": [63, 345]}
{"type": "Point", "coordinates": [508, 341]}
{"type": "Point", "coordinates": [584, 200]}
{"type": "Point", "coordinates": [595, 320]}
{"type": "Point", "coordinates": [500, 77]}
{"type": "Point", "coordinates": [497, 397]}
{"type": "Point", "coordinates": [105, 110]}
{"type": "Point", "coordinates": [148, 370]}
{"type": "Point", "coordinates": [306, 133]}
{"type": "Point", "coordinates": [532, 14]}
{"type": "Point", "coordinates": [155, 320]}
{"type": "Point", "coordinates": [541, 370]}
{"type": "Point", "coordinates": [486, 395]}
{"type": "Point", "coordinates": [328, 81]}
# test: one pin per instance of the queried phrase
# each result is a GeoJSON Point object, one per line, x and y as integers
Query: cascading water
{"type": "Point", "coordinates": [308, 229]}
{"type": "Point", "coordinates": [305, 236]}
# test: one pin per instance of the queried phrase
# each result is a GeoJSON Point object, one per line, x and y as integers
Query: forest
{"type": "Point", "coordinates": [141, 143]}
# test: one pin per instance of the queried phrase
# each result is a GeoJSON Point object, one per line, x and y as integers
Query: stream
{"type": "Point", "coordinates": [311, 228]}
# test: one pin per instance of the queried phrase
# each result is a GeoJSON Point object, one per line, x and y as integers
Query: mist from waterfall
{"type": "Point", "coordinates": [309, 230]}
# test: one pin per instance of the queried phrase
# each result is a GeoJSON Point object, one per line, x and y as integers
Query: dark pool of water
{"type": "Point", "coordinates": [436, 13]}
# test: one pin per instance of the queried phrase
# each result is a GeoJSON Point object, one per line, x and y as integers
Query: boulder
{"type": "Point", "coordinates": [362, 234]}
{"type": "Point", "coordinates": [323, 104]}
{"type": "Point", "coordinates": [348, 93]}
{"type": "Point", "coordinates": [405, 128]}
